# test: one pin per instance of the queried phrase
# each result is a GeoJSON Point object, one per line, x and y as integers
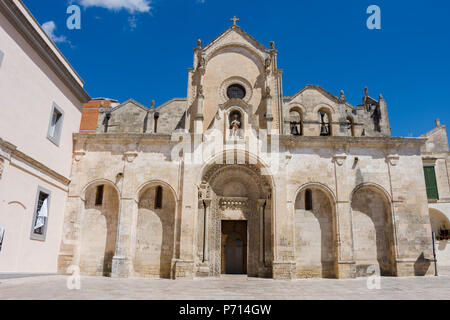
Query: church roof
{"type": "Point", "coordinates": [240, 31]}
{"type": "Point", "coordinates": [318, 88]}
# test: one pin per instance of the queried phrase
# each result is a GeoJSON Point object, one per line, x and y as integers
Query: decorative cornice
{"type": "Point", "coordinates": [15, 153]}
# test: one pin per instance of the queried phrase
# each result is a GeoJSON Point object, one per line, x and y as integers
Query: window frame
{"type": "Point", "coordinates": [433, 166]}
{"type": "Point", "coordinates": [33, 235]}
{"type": "Point", "coordinates": [59, 126]}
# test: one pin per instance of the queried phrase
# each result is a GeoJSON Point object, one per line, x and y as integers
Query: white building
{"type": "Point", "coordinates": [41, 98]}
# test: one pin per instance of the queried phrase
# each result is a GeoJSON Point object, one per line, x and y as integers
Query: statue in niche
{"type": "Point", "coordinates": [267, 64]}
{"type": "Point", "coordinates": [201, 62]}
{"type": "Point", "coordinates": [235, 124]}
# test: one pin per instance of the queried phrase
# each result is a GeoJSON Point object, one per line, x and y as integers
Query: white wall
{"type": "Point", "coordinates": [28, 89]}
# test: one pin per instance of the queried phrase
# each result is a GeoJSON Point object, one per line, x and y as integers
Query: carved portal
{"type": "Point", "coordinates": [234, 193]}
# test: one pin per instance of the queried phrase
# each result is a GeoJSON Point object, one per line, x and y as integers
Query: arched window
{"type": "Point", "coordinates": [158, 197]}
{"type": "Point", "coordinates": [325, 123]}
{"type": "Point", "coordinates": [308, 200]}
{"type": "Point", "coordinates": [350, 126]}
{"type": "Point", "coordinates": [296, 122]}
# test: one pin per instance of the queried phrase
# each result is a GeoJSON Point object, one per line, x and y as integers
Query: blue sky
{"type": "Point", "coordinates": [142, 49]}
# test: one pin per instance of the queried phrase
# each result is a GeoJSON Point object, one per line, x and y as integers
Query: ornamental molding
{"type": "Point", "coordinates": [130, 156]}
{"type": "Point", "coordinates": [78, 155]}
{"type": "Point", "coordinates": [393, 159]}
{"type": "Point", "coordinates": [340, 159]}
{"type": "Point", "coordinates": [235, 80]}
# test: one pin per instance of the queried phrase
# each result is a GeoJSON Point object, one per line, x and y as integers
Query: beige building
{"type": "Point", "coordinates": [237, 178]}
{"type": "Point", "coordinates": [41, 98]}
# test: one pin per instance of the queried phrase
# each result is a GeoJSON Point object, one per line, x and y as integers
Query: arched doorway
{"type": "Point", "coordinates": [373, 233]}
{"type": "Point", "coordinates": [315, 234]}
{"type": "Point", "coordinates": [154, 247]}
{"type": "Point", "coordinates": [440, 225]}
{"type": "Point", "coordinates": [235, 221]}
{"type": "Point", "coordinates": [99, 229]}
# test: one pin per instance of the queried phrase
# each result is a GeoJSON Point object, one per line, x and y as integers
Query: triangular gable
{"type": "Point", "coordinates": [242, 33]}
{"type": "Point", "coordinates": [132, 101]}
{"type": "Point", "coordinates": [319, 89]}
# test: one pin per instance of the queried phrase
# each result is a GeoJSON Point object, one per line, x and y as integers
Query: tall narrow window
{"type": "Point", "coordinates": [55, 125]}
{"type": "Point", "coordinates": [40, 216]}
{"type": "Point", "coordinates": [325, 123]}
{"type": "Point", "coordinates": [99, 195]}
{"type": "Point", "coordinates": [350, 126]}
{"type": "Point", "coordinates": [158, 197]}
{"type": "Point", "coordinates": [430, 181]}
{"type": "Point", "coordinates": [296, 123]}
{"type": "Point", "coordinates": [308, 200]}
{"type": "Point", "coordinates": [155, 117]}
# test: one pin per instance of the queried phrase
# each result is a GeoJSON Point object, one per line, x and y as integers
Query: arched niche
{"type": "Point", "coordinates": [315, 233]}
{"type": "Point", "coordinates": [155, 231]}
{"type": "Point", "coordinates": [99, 223]}
{"type": "Point", "coordinates": [373, 232]}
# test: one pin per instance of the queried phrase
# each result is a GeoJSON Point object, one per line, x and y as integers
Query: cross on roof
{"type": "Point", "coordinates": [234, 20]}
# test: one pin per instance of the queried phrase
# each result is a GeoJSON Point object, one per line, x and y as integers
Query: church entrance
{"type": "Point", "coordinates": [234, 222]}
{"type": "Point", "coordinates": [234, 247]}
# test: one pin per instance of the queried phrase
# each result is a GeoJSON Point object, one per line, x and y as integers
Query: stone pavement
{"type": "Point", "coordinates": [225, 288]}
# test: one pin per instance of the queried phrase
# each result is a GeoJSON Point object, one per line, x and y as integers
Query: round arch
{"type": "Point", "coordinates": [315, 224]}
{"type": "Point", "coordinates": [372, 214]}
{"type": "Point", "coordinates": [375, 187]}
{"type": "Point", "coordinates": [438, 220]}
{"type": "Point", "coordinates": [153, 183]}
{"type": "Point", "coordinates": [317, 185]}
{"type": "Point", "coordinates": [98, 231]}
{"type": "Point", "coordinates": [324, 106]}
{"type": "Point", "coordinates": [232, 45]}
{"type": "Point", "coordinates": [98, 182]}
{"type": "Point", "coordinates": [252, 158]}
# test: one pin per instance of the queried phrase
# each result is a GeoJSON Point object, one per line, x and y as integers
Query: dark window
{"type": "Point", "coordinates": [296, 123]}
{"type": "Point", "coordinates": [99, 196]}
{"type": "Point", "coordinates": [158, 197]}
{"type": "Point", "coordinates": [308, 200]}
{"type": "Point", "coordinates": [430, 180]}
{"type": "Point", "coordinates": [236, 91]}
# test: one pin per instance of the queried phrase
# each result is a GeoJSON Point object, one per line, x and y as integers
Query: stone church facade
{"type": "Point", "coordinates": [237, 178]}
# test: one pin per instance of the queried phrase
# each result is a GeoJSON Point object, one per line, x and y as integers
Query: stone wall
{"type": "Point", "coordinates": [154, 249]}
{"type": "Point", "coordinates": [315, 236]}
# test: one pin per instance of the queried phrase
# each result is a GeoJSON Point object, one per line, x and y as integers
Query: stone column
{"type": "Point", "coordinates": [284, 265]}
{"type": "Point", "coordinates": [269, 115]}
{"type": "Point", "coordinates": [128, 207]}
{"type": "Point", "coordinates": [204, 255]}
{"type": "Point", "coordinates": [69, 252]}
{"type": "Point", "coordinates": [343, 219]}
{"type": "Point", "coordinates": [184, 264]}
{"type": "Point", "coordinates": [122, 260]}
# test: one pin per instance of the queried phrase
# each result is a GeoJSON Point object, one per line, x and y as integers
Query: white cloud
{"type": "Point", "coordinates": [49, 28]}
{"type": "Point", "coordinates": [131, 6]}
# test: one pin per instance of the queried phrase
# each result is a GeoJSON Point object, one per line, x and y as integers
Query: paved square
{"type": "Point", "coordinates": [225, 288]}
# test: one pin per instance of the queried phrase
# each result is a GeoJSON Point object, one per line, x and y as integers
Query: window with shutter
{"type": "Point", "coordinates": [430, 180]}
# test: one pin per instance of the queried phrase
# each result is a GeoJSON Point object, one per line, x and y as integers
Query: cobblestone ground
{"type": "Point", "coordinates": [225, 288]}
